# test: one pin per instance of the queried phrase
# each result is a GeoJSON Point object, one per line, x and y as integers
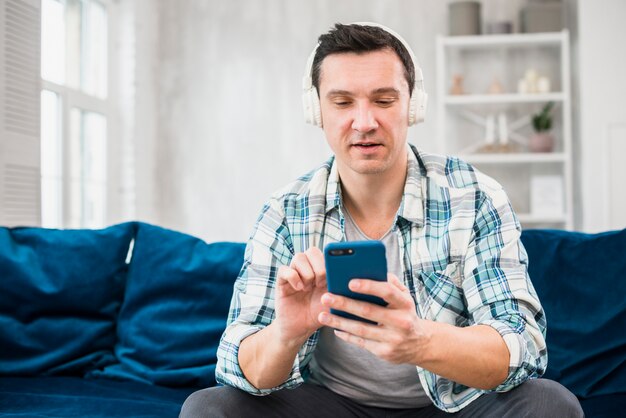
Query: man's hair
{"type": "Point", "coordinates": [360, 39]}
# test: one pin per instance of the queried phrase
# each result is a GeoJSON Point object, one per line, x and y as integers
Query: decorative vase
{"type": "Point", "coordinates": [541, 142]}
{"type": "Point", "coordinates": [464, 18]}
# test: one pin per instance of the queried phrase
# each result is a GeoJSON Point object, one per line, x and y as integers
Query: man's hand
{"type": "Point", "coordinates": [475, 356]}
{"type": "Point", "coordinates": [266, 357]}
{"type": "Point", "coordinates": [400, 335]}
{"type": "Point", "coordinates": [298, 292]}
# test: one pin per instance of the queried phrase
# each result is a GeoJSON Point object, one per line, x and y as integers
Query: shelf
{"type": "Point", "coordinates": [474, 99]}
{"type": "Point", "coordinates": [462, 119]}
{"type": "Point", "coordinates": [515, 39]}
{"type": "Point", "coordinates": [514, 158]}
{"type": "Point", "coordinates": [528, 218]}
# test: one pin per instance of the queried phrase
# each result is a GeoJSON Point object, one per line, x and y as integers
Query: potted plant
{"type": "Point", "coordinates": [542, 140]}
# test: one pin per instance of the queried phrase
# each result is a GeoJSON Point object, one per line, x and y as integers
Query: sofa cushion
{"type": "Point", "coordinates": [581, 282]}
{"type": "Point", "coordinates": [60, 292]}
{"type": "Point", "coordinates": [175, 308]}
{"type": "Point", "coordinates": [70, 397]}
{"type": "Point", "coordinates": [606, 406]}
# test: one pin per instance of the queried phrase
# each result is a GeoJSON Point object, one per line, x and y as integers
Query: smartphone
{"type": "Point", "coordinates": [354, 260]}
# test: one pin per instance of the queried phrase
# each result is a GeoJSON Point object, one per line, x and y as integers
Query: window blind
{"type": "Point", "coordinates": [20, 51]}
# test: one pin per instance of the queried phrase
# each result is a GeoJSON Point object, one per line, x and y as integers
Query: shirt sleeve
{"type": "Point", "coordinates": [499, 292]}
{"type": "Point", "coordinates": [252, 304]}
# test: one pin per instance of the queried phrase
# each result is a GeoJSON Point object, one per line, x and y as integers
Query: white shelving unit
{"type": "Point", "coordinates": [502, 98]}
{"type": "Point", "coordinates": [462, 118]}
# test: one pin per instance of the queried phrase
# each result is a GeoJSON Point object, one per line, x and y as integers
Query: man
{"type": "Point", "coordinates": [463, 331]}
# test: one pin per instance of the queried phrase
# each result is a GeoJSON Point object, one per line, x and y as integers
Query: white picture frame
{"type": "Point", "coordinates": [547, 195]}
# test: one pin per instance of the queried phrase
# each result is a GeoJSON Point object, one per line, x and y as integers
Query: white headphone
{"type": "Point", "coordinates": [311, 101]}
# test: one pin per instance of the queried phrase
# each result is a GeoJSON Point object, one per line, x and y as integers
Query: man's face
{"type": "Point", "coordinates": [365, 103]}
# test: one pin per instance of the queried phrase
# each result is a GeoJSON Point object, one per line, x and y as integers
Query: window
{"type": "Point", "coordinates": [74, 116]}
{"type": "Point", "coordinates": [51, 160]}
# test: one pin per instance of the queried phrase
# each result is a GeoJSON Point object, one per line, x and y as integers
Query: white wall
{"type": "Point", "coordinates": [602, 85]}
{"type": "Point", "coordinates": [218, 122]}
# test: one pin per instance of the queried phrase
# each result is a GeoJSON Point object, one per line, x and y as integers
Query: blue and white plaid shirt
{"type": "Point", "coordinates": [463, 264]}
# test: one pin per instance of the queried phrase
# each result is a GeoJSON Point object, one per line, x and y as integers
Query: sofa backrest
{"type": "Point", "coordinates": [581, 282]}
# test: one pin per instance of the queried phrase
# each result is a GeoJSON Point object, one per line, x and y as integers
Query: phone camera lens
{"type": "Point", "coordinates": [343, 251]}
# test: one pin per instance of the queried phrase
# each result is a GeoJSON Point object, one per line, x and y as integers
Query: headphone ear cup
{"type": "Point", "coordinates": [413, 108]}
{"type": "Point", "coordinates": [311, 105]}
{"type": "Point", "coordinates": [417, 106]}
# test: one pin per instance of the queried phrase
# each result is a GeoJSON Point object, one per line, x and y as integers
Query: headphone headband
{"type": "Point", "coordinates": [310, 97]}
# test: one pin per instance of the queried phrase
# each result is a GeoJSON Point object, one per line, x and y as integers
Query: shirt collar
{"type": "Point", "coordinates": [333, 191]}
{"type": "Point", "coordinates": [411, 206]}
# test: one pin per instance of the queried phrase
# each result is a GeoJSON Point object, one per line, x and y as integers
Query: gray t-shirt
{"type": "Point", "coordinates": [356, 373]}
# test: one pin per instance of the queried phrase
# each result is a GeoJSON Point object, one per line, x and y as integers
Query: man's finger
{"type": "Point", "coordinates": [392, 278]}
{"type": "Point", "coordinates": [389, 292]}
{"type": "Point", "coordinates": [372, 346]}
{"type": "Point", "coordinates": [301, 264]}
{"type": "Point", "coordinates": [288, 276]}
{"type": "Point", "coordinates": [316, 258]}
{"type": "Point", "coordinates": [358, 328]}
{"type": "Point", "coordinates": [365, 310]}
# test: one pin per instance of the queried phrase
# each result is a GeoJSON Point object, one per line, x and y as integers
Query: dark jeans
{"type": "Point", "coordinates": [535, 398]}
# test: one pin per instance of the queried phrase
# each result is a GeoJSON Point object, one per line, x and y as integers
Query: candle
{"type": "Point", "coordinates": [503, 136]}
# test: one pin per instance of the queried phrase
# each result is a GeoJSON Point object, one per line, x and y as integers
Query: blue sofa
{"type": "Point", "coordinates": [125, 321]}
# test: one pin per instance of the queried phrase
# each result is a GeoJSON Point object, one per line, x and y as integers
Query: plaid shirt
{"type": "Point", "coordinates": [464, 264]}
